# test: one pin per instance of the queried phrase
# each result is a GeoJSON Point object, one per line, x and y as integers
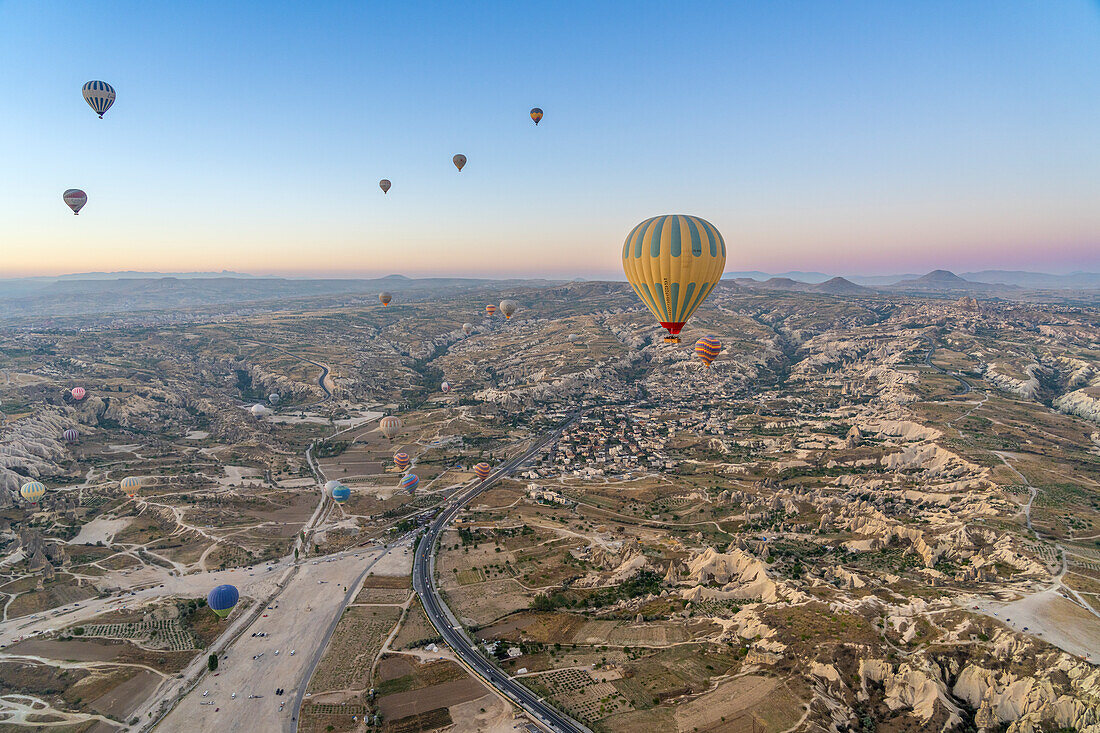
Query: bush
{"type": "Point", "coordinates": [212, 662]}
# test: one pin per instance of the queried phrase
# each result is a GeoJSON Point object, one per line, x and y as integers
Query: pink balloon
{"type": "Point", "coordinates": [78, 393]}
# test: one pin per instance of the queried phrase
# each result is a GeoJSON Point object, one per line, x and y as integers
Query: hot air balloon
{"type": "Point", "coordinates": [75, 199]}
{"type": "Point", "coordinates": [482, 470]}
{"type": "Point", "coordinates": [70, 435]}
{"type": "Point", "coordinates": [341, 494]}
{"type": "Point", "coordinates": [258, 410]}
{"type": "Point", "coordinates": [390, 425]}
{"type": "Point", "coordinates": [99, 95]}
{"type": "Point", "coordinates": [459, 160]}
{"type": "Point", "coordinates": [222, 599]}
{"type": "Point", "coordinates": [78, 393]}
{"type": "Point", "coordinates": [274, 398]}
{"type": "Point", "coordinates": [385, 297]}
{"type": "Point", "coordinates": [673, 262]}
{"type": "Point", "coordinates": [446, 387]}
{"type": "Point", "coordinates": [32, 491]}
{"type": "Point", "coordinates": [707, 349]}
{"type": "Point", "coordinates": [409, 482]}
{"type": "Point", "coordinates": [467, 328]}
{"type": "Point", "coordinates": [130, 486]}
{"type": "Point", "coordinates": [536, 115]}
{"type": "Point", "coordinates": [401, 460]}
{"type": "Point", "coordinates": [384, 184]}
{"type": "Point", "coordinates": [508, 307]}
{"type": "Point", "coordinates": [329, 487]}
{"type": "Point", "coordinates": [490, 309]}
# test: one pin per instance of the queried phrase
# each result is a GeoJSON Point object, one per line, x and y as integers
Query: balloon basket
{"type": "Point", "coordinates": [672, 339]}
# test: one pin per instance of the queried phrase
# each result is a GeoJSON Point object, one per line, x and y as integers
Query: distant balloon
{"type": "Point", "coordinates": [409, 482]}
{"type": "Point", "coordinates": [75, 199]}
{"type": "Point", "coordinates": [99, 95]}
{"type": "Point", "coordinates": [707, 349]}
{"type": "Point", "coordinates": [258, 410]}
{"type": "Point", "coordinates": [390, 425]}
{"type": "Point", "coordinates": [385, 297]}
{"type": "Point", "coordinates": [70, 435]}
{"type": "Point", "coordinates": [78, 393]}
{"type": "Point", "coordinates": [446, 387]}
{"type": "Point", "coordinates": [32, 491]}
{"type": "Point", "coordinates": [467, 328]}
{"type": "Point", "coordinates": [482, 470]}
{"type": "Point", "coordinates": [341, 494]}
{"type": "Point", "coordinates": [274, 398]}
{"type": "Point", "coordinates": [384, 184]}
{"type": "Point", "coordinates": [460, 161]}
{"type": "Point", "coordinates": [130, 486]}
{"type": "Point", "coordinates": [536, 115]}
{"type": "Point", "coordinates": [508, 307]}
{"type": "Point", "coordinates": [329, 487]}
{"type": "Point", "coordinates": [573, 338]}
{"type": "Point", "coordinates": [673, 262]}
{"type": "Point", "coordinates": [223, 599]}
{"type": "Point", "coordinates": [401, 460]}
{"type": "Point", "coordinates": [490, 309]}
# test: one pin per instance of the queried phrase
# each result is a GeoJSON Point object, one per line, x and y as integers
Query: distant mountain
{"type": "Point", "coordinates": [842, 286]}
{"type": "Point", "coordinates": [832, 286]}
{"type": "Point", "coordinates": [877, 280]}
{"type": "Point", "coordinates": [945, 280]}
{"type": "Point", "coordinates": [805, 277]}
{"type": "Point", "coordinates": [1042, 280]}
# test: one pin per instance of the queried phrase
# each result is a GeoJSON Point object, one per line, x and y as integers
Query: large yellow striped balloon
{"type": "Point", "coordinates": [673, 262]}
{"type": "Point", "coordinates": [32, 491]}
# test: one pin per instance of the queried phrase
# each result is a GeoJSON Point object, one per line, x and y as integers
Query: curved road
{"type": "Point", "coordinates": [324, 369]}
{"type": "Point", "coordinates": [928, 360]}
{"type": "Point", "coordinates": [448, 626]}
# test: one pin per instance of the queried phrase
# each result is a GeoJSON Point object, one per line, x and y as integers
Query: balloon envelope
{"type": "Point", "coordinates": [490, 309]}
{"type": "Point", "coordinates": [707, 349]}
{"type": "Point", "coordinates": [32, 491]}
{"type": "Point", "coordinates": [78, 393]}
{"type": "Point", "coordinates": [409, 482]}
{"type": "Point", "coordinates": [390, 425]}
{"type": "Point", "coordinates": [482, 470]}
{"type": "Point", "coordinates": [70, 435]}
{"type": "Point", "coordinates": [385, 297]}
{"type": "Point", "coordinates": [258, 410]}
{"type": "Point", "coordinates": [99, 95]}
{"type": "Point", "coordinates": [130, 485]}
{"type": "Point", "coordinates": [673, 262]}
{"type": "Point", "coordinates": [508, 307]}
{"type": "Point", "coordinates": [467, 328]}
{"type": "Point", "coordinates": [401, 460]}
{"type": "Point", "coordinates": [75, 199]}
{"type": "Point", "coordinates": [536, 115]}
{"type": "Point", "coordinates": [222, 599]}
{"type": "Point", "coordinates": [384, 184]}
{"type": "Point", "coordinates": [341, 494]}
{"type": "Point", "coordinates": [459, 161]}
{"type": "Point", "coordinates": [329, 487]}
{"type": "Point", "coordinates": [274, 398]}
{"type": "Point", "coordinates": [446, 387]}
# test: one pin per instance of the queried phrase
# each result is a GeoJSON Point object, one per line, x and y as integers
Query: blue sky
{"type": "Point", "coordinates": [846, 137]}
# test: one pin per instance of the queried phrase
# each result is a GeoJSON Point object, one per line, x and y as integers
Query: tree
{"type": "Point", "coordinates": [212, 662]}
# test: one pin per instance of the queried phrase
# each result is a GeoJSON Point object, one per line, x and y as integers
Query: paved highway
{"type": "Point", "coordinates": [449, 627]}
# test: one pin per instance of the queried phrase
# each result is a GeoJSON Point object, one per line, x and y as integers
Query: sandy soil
{"type": "Point", "coordinates": [1050, 617]}
{"type": "Point", "coordinates": [497, 718]}
{"type": "Point", "coordinates": [77, 651]}
{"type": "Point", "coordinates": [730, 700]}
{"type": "Point", "coordinates": [446, 694]}
{"type": "Point", "coordinates": [298, 623]}
{"type": "Point", "coordinates": [120, 701]}
{"type": "Point", "coordinates": [99, 530]}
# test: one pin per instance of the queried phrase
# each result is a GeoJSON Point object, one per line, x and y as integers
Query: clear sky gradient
{"type": "Point", "coordinates": [846, 137]}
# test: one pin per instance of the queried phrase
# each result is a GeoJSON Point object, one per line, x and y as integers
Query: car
{"type": "Point", "coordinates": [233, 696]}
{"type": "Point", "coordinates": [205, 693]}
{"type": "Point", "coordinates": [276, 652]}
{"type": "Point", "coordinates": [292, 652]}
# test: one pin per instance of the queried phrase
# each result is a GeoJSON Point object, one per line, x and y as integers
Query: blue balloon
{"type": "Point", "coordinates": [222, 599]}
{"type": "Point", "coordinates": [341, 493]}
{"type": "Point", "coordinates": [99, 95]}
